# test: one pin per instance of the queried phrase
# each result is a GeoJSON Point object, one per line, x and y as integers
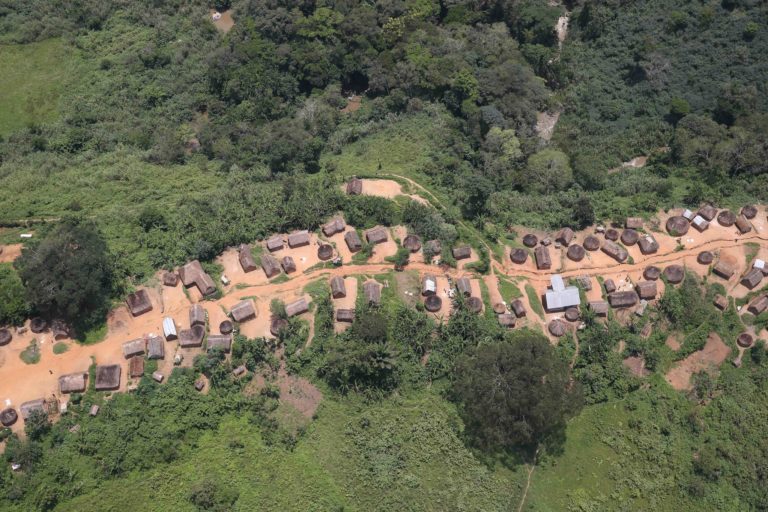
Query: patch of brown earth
{"type": "Point", "coordinates": [225, 22]}
{"type": "Point", "coordinates": [709, 359]}
{"type": "Point", "coordinates": [353, 104]}
{"type": "Point", "coordinates": [10, 252]}
{"type": "Point", "coordinates": [636, 366]}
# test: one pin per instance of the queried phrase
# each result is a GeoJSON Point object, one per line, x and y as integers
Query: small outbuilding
{"type": "Point", "coordinates": [275, 243]}
{"type": "Point", "coordinates": [677, 226]}
{"type": "Point", "coordinates": [634, 223]}
{"type": "Point", "coordinates": [599, 307]}
{"type": "Point", "coordinates": [464, 286]}
{"type": "Point", "coordinates": [723, 270]}
{"type": "Point", "coordinates": [376, 235]}
{"type": "Point", "coordinates": [758, 305]}
{"type": "Point", "coordinates": [107, 377]}
{"type": "Point", "coordinates": [591, 243]}
{"type": "Point", "coordinates": [412, 243]}
{"type": "Point", "coordinates": [288, 264]}
{"type": "Point", "coordinates": [157, 377]}
{"type": "Point", "coordinates": [541, 255]}
{"type": "Point", "coordinates": [615, 251]}
{"type": "Point", "coordinates": [353, 241]}
{"type": "Point", "coordinates": [752, 278]}
{"type": "Point", "coordinates": [169, 329]}
{"type": "Point", "coordinates": [270, 265]}
{"type": "Point", "coordinates": [355, 187]}
{"type": "Point", "coordinates": [197, 315]}
{"type": "Point", "coordinates": [72, 383]}
{"type": "Point", "coordinates": [133, 348]}
{"type": "Point", "coordinates": [338, 288]}
{"type": "Point", "coordinates": [222, 342]}
{"type": "Point", "coordinates": [647, 290]}
{"type": "Point", "coordinates": [243, 311]}
{"type": "Point", "coordinates": [334, 226]}
{"type": "Point", "coordinates": [700, 223]}
{"type": "Point", "coordinates": [609, 285]}
{"type": "Point", "coordinates": [507, 320]}
{"type": "Point", "coordinates": [429, 285]}
{"type": "Point", "coordinates": [530, 240]}
{"type": "Point", "coordinates": [139, 303]}
{"type": "Point", "coordinates": [518, 308]}
{"type": "Point", "coordinates": [246, 259]}
{"type": "Point", "coordinates": [298, 239]}
{"type": "Point", "coordinates": [623, 299]}
{"type": "Point", "coordinates": [136, 367]}
{"type": "Point", "coordinates": [461, 253]}
{"type": "Point", "coordinates": [345, 315]}
{"type": "Point", "coordinates": [155, 348]}
{"type": "Point", "coordinates": [297, 307]}
{"type": "Point", "coordinates": [708, 212]}
{"type": "Point", "coordinates": [372, 291]}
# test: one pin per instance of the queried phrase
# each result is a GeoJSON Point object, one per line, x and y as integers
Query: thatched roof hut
{"type": "Point", "coordinates": [169, 329]}
{"type": "Point", "coordinates": [721, 302]}
{"type": "Point", "coordinates": [572, 314]}
{"type": "Point", "coordinates": [475, 304]}
{"type": "Point", "coordinates": [634, 223]}
{"type": "Point", "coordinates": [27, 408]}
{"type": "Point", "coordinates": [275, 243]}
{"type": "Point", "coordinates": [5, 336]}
{"type": "Point", "coordinates": [288, 264]}
{"type": "Point", "coordinates": [158, 376]}
{"type": "Point", "coordinates": [298, 239]}
{"type": "Point", "coordinates": [752, 278]}
{"type": "Point", "coordinates": [708, 212]}
{"type": "Point", "coordinates": [376, 235]}
{"type": "Point", "coordinates": [518, 308]}
{"type": "Point", "coordinates": [464, 286]}
{"type": "Point", "coordinates": [674, 273]}
{"type": "Point", "coordinates": [219, 341]}
{"type": "Point", "coordinates": [591, 243]}
{"type": "Point", "coordinates": [138, 302]}
{"type": "Point", "coordinates": [647, 290]}
{"type": "Point", "coordinates": [135, 367]}
{"type": "Point", "coordinates": [622, 299]}
{"type": "Point", "coordinates": [705, 257]}
{"type": "Point", "coordinates": [599, 307]}
{"type": "Point", "coordinates": [170, 279]}
{"type": "Point", "coordinates": [355, 187]}
{"type": "Point", "coordinates": [345, 315]}
{"type": "Point", "coordinates": [8, 416]}
{"type": "Point", "coordinates": [629, 237]}
{"type": "Point", "coordinates": [155, 348]}
{"type": "Point", "coordinates": [243, 311]}
{"type": "Point", "coordinates": [297, 307]}
{"type": "Point", "coordinates": [353, 241]}
{"type": "Point", "coordinates": [59, 329]}
{"type": "Point", "coordinates": [723, 270]}
{"type": "Point", "coordinates": [530, 240]}
{"type": "Point", "coordinates": [615, 251]}
{"type": "Point", "coordinates": [334, 226]}
{"type": "Point", "coordinates": [270, 265]}
{"type": "Point", "coordinates": [372, 291]}
{"type": "Point", "coordinates": [677, 226]}
{"type": "Point", "coordinates": [543, 261]}
{"type": "Point", "coordinates": [38, 325]}
{"type": "Point", "coordinates": [226, 327]}
{"type": "Point", "coordinates": [412, 243]}
{"type": "Point", "coordinates": [507, 320]}
{"type": "Point", "coordinates": [576, 252]}
{"type": "Point", "coordinates": [246, 258]}
{"type": "Point", "coordinates": [611, 234]}
{"type": "Point", "coordinates": [648, 244]}
{"type": "Point", "coordinates": [193, 337]}
{"type": "Point", "coordinates": [193, 274]}
{"type": "Point", "coordinates": [429, 285]}
{"type": "Point", "coordinates": [434, 247]}
{"type": "Point", "coordinates": [652, 273]}
{"type": "Point", "coordinates": [564, 236]}
{"type": "Point", "coordinates": [338, 288]}
{"type": "Point", "coordinates": [744, 340]}
{"type": "Point", "coordinates": [107, 377]}
{"type": "Point", "coordinates": [133, 347]}
{"type": "Point", "coordinates": [609, 285]}
{"type": "Point", "coordinates": [585, 282]}
{"type": "Point", "coordinates": [325, 252]}
{"type": "Point", "coordinates": [72, 383]}
{"type": "Point", "coordinates": [276, 324]}
{"type": "Point", "coordinates": [433, 303]}
{"type": "Point", "coordinates": [200, 384]}
{"type": "Point", "coordinates": [758, 305]}
{"type": "Point", "coordinates": [749, 211]}
{"type": "Point", "coordinates": [196, 315]}
{"type": "Point", "coordinates": [518, 256]}
{"type": "Point", "coordinates": [700, 223]}
{"type": "Point", "coordinates": [557, 327]}
{"type": "Point", "coordinates": [94, 410]}
{"type": "Point", "coordinates": [499, 308]}
{"type": "Point", "coordinates": [743, 225]}
{"type": "Point", "coordinates": [726, 218]}
{"type": "Point", "coordinates": [461, 253]}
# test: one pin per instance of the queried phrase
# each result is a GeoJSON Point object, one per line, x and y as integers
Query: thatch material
{"type": "Point", "coordinates": [599, 307]}
{"type": "Point", "coordinates": [336, 225]}
{"type": "Point", "coordinates": [475, 304]}
{"type": "Point", "coordinates": [72, 383]}
{"type": "Point", "coordinates": [8, 416]}
{"type": "Point", "coordinates": [576, 252]}
{"type": "Point", "coordinates": [652, 273]}
{"type": "Point", "coordinates": [752, 278]}
{"type": "Point", "coordinates": [674, 273]}
{"type": "Point", "coordinates": [630, 237]}
{"type": "Point", "coordinates": [94, 410]}
{"type": "Point", "coordinates": [275, 243]}
{"type": "Point", "coordinates": [518, 308]}
{"type": "Point", "coordinates": [139, 303]}
{"type": "Point", "coordinates": [38, 325]}
{"type": "Point", "coordinates": [721, 302]}
{"type": "Point", "coordinates": [708, 212]}
{"type": "Point", "coordinates": [220, 341]}
{"type": "Point", "coordinates": [507, 320]}
{"type": "Point", "coordinates": [543, 261]}
{"type": "Point", "coordinates": [170, 279]}
{"type": "Point", "coordinates": [298, 239]}
{"type": "Point", "coordinates": [572, 314]}
{"type": "Point", "coordinates": [726, 218]}
{"type": "Point", "coordinates": [338, 288]}
{"type": "Point", "coordinates": [157, 376]}
{"type": "Point", "coordinates": [372, 291]}
{"type": "Point", "coordinates": [434, 247]}
{"type": "Point", "coordinates": [464, 286]}
{"type": "Point", "coordinates": [5, 336]}
{"type": "Point", "coordinates": [107, 377]}
{"type": "Point", "coordinates": [429, 285]}
{"type": "Point", "coordinates": [353, 241]}
{"type": "Point", "coordinates": [499, 308]}
{"type": "Point", "coordinates": [705, 257]}
{"type": "Point", "coordinates": [193, 274]}
{"type": "Point", "coordinates": [288, 264]}
{"type": "Point", "coordinates": [530, 240]}
{"type": "Point", "coordinates": [634, 223]}
{"type": "Point", "coordinates": [622, 299]}
{"type": "Point", "coordinates": [193, 337]}
{"type": "Point", "coordinates": [297, 307]}
{"type": "Point", "coordinates": [412, 243]}
{"type": "Point", "coordinates": [324, 252]}
{"type": "Point", "coordinates": [196, 315]}
{"type": "Point", "coordinates": [376, 235]}
{"type": "Point", "coordinates": [433, 303]}
{"type": "Point", "coordinates": [743, 224]}
{"type": "Point", "coordinates": [647, 290]}
{"type": "Point", "coordinates": [518, 256]}
{"type": "Point", "coordinates": [461, 253]}
{"type": "Point", "coordinates": [200, 384]}
{"type": "Point", "coordinates": [585, 282]}
{"type": "Point", "coordinates": [749, 211]}
{"type": "Point", "coordinates": [744, 340]}
{"type": "Point", "coordinates": [246, 259]}
{"type": "Point", "coordinates": [59, 329]}
{"type": "Point", "coordinates": [615, 251]}
{"type": "Point", "coordinates": [609, 285]}
{"type": "Point", "coordinates": [677, 226]}
{"type": "Point", "coordinates": [758, 305]}
{"type": "Point", "coordinates": [155, 348]}
{"type": "Point", "coordinates": [226, 327]}
{"type": "Point", "coordinates": [243, 311]}
{"type": "Point", "coordinates": [611, 234]}
{"type": "Point", "coordinates": [136, 367]}
{"type": "Point", "coordinates": [564, 236]}
{"type": "Point", "coordinates": [355, 187]}
{"type": "Point", "coordinates": [648, 244]}
{"type": "Point", "coordinates": [270, 265]}
{"type": "Point", "coordinates": [345, 315]}
{"type": "Point", "coordinates": [27, 408]}
{"type": "Point", "coordinates": [591, 243]}
{"type": "Point", "coordinates": [276, 324]}
{"type": "Point", "coordinates": [134, 347]}
{"type": "Point", "coordinates": [557, 328]}
{"type": "Point", "coordinates": [723, 270]}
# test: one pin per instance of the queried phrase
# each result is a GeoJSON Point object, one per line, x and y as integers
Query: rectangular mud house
{"type": "Point", "coordinates": [338, 289]}
{"type": "Point", "coordinates": [723, 270]}
{"type": "Point", "coordinates": [560, 297]}
{"type": "Point", "coordinates": [609, 286]}
{"type": "Point", "coordinates": [615, 251]}
{"type": "Point", "coordinates": [622, 299]}
{"type": "Point", "coordinates": [599, 307]}
{"type": "Point", "coordinates": [136, 367]}
{"type": "Point", "coordinates": [543, 261]}
{"type": "Point", "coordinates": [298, 239]}
{"type": "Point", "coordinates": [345, 315]}
{"type": "Point", "coordinates": [647, 290]}
{"type": "Point", "coordinates": [155, 348]}
{"type": "Point", "coordinates": [700, 223]}
{"type": "Point", "coordinates": [743, 225]}
{"type": "Point", "coordinates": [564, 236]}
{"type": "Point", "coordinates": [246, 259]}
{"type": "Point", "coordinates": [196, 315]}
{"type": "Point", "coordinates": [634, 223]}
{"type": "Point", "coordinates": [464, 286]}
{"type": "Point", "coordinates": [462, 253]}
{"type": "Point", "coordinates": [648, 244]}
{"type": "Point", "coordinates": [72, 383]}
{"type": "Point", "coordinates": [721, 302]}
{"type": "Point", "coordinates": [434, 247]}
{"type": "Point", "coordinates": [297, 307]}
{"type": "Point", "coordinates": [585, 282]}
{"type": "Point", "coordinates": [355, 187]}
{"type": "Point", "coordinates": [507, 320]}
{"type": "Point", "coordinates": [169, 329]}
{"type": "Point", "coordinates": [334, 226]}
{"type": "Point", "coordinates": [170, 279]}
{"type": "Point", "coordinates": [275, 243]}
{"type": "Point", "coordinates": [752, 278]}
{"type": "Point", "coordinates": [243, 311]}
{"type": "Point", "coordinates": [353, 241]}
{"type": "Point", "coordinates": [107, 377]}
{"type": "Point", "coordinates": [288, 264]}
{"type": "Point", "coordinates": [518, 308]}
{"type": "Point", "coordinates": [376, 235]}
{"type": "Point", "coordinates": [758, 305]}
{"type": "Point", "coordinates": [372, 291]}
{"type": "Point", "coordinates": [708, 212]}
{"type": "Point", "coordinates": [193, 274]}
{"type": "Point", "coordinates": [133, 348]}
{"type": "Point", "coordinates": [139, 303]}
{"type": "Point", "coordinates": [220, 341]}
{"type": "Point", "coordinates": [270, 265]}
{"type": "Point", "coordinates": [27, 408]}
{"type": "Point", "coordinates": [429, 285]}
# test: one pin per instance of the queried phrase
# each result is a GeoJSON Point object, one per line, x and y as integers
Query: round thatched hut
{"type": "Point", "coordinates": [433, 303]}
{"type": "Point", "coordinates": [518, 256]}
{"type": "Point", "coordinates": [325, 251]}
{"type": "Point", "coordinates": [630, 237]}
{"type": "Point", "coordinates": [499, 308]}
{"type": "Point", "coordinates": [276, 324]}
{"type": "Point", "coordinates": [572, 314]}
{"type": "Point", "coordinates": [5, 336]}
{"type": "Point", "coordinates": [576, 252]}
{"type": "Point", "coordinates": [749, 211]}
{"type": "Point", "coordinates": [726, 218]}
{"type": "Point", "coordinates": [474, 304]}
{"type": "Point", "coordinates": [530, 240]}
{"type": "Point", "coordinates": [591, 243]}
{"type": "Point", "coordinates": [226, 327]}
{"type": "Point", "coordinates": [651, 273]}
{"type": "Point", "coordinates": [37, 325]}
{"type": "Point", "coordinates": [412, 243]}
{"type": "Point", "coordinates": [557, 327]}
{"type": "Point", "coordinates": [8, 416]}
{"type": "Point", "coordinates": [705, 257]}
{"type": "Point", "coordinates": [744, 340]}
{"type": "Point", "coordinates": [674, 273]}
{"type": "Point", "coordinates": [611, 234]}
{"type": "Point", "coordinates": [677, 225]}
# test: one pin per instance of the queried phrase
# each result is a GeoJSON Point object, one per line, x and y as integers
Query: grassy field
{"type": "Point", "coordinates": [33, 78]}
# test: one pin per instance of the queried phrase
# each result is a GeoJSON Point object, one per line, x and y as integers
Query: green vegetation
{"type": "Point", "coordinates": [60, 348]}
{"type": "Point", "coordinates": [14, 308]}
{"type": "Point", "coordinates": [534, 300]}
{"type": "Point", "coordinates": [31, 354]}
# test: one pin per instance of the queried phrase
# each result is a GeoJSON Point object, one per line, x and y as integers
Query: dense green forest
{"type": "Point", "coordinates": [142, 130]}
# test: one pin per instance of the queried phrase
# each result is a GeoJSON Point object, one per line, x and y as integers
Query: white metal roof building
{"type": "Point", "coordinates": [169, 329]}
{"type": "Point", "coordinates": [561, 296]}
